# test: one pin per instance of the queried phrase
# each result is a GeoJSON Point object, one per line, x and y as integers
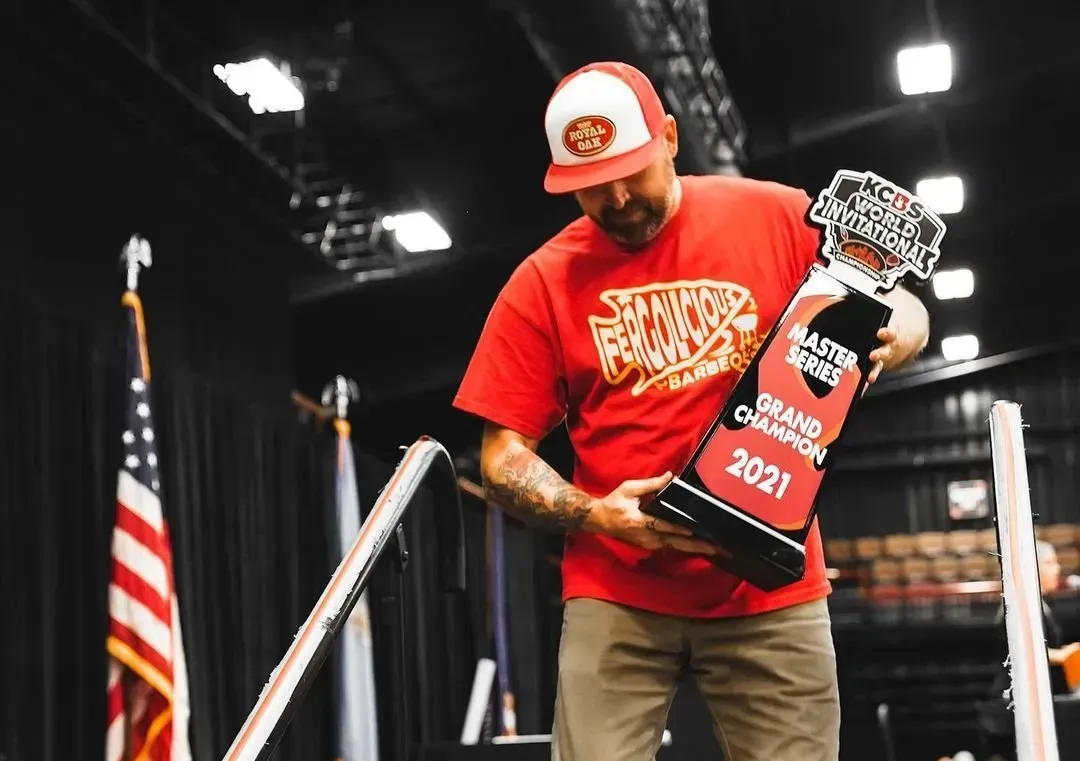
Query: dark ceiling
{"type": "Point", "coordinates": [439, 105]}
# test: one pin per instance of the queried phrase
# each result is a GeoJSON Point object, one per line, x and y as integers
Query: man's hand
{"type": "Point", "coordinates": [905, 336]}
{"type": "Point", "coordinates": [881, 355]}
{"type": "Point", "coordinates": [619, 515]}
{"type": "Point", "coordinates": [1058, 655]}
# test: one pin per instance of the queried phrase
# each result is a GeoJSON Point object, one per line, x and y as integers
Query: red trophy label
{"type": "Point", "coordinates": [770, 458]}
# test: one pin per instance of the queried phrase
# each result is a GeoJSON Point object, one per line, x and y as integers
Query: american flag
{"type": "Point", "coordinates": [147, 687]}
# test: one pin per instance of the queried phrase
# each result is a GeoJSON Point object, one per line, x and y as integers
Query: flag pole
{"type": "Point", "coordinates": [145, 642]}
{"type": "Point", "coordinates": [338, 394]}
{"type": "Point", "coordinates": [118, 737]}
{"type": "Point", "coordinates": [357, 730]}
{"type": "Point", "coordinates": [135, 256]}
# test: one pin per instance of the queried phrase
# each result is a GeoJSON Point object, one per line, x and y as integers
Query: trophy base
{"type": "Point", "coordinates": [749, 549]}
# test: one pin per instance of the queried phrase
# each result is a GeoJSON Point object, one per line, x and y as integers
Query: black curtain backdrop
{"type": "Point", "coordinates": [247, 493]}
{"type": "Point", "coordinates": [104, 149]}
{"type": "Point", "coordinates": [248, 490]}
{"type": "Point", "coordinates": [424, 678]}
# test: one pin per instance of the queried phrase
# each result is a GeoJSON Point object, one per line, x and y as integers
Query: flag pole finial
{"type": "Point", "coordinates": [340, 392]}
{"type": "Point", "coordinates": [136, 255]}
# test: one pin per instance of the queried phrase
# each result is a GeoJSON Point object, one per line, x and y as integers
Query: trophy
{"type": "Point", "coordinates": [752, 483]}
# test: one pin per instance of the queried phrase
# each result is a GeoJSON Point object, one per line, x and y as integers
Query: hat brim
{"type": "Point", "coordinates": [568, 179]}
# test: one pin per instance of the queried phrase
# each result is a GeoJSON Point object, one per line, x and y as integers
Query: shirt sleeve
{"type": "Point", "coordinates": [802, 238]}
{"type": "Point", "coordinates": [515, 377]}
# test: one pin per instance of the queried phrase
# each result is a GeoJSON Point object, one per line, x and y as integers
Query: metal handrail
{"type": "Point", "coordinates": [292, 677]}
{"type": "Point", "coordinates": [1029, 669]}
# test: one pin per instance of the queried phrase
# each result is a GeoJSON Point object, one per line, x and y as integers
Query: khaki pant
{"type": "Point", "coordinates": [769, 682]}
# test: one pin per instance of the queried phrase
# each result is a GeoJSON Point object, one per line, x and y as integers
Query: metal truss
{"type": "Point", "coordinates": [330, 216]}
{"type": "Point", "coordinates": [343, 228]}
{"type": "Point", "coordinates": [674, 35]}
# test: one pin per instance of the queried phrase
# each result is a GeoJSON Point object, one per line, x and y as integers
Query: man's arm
{"type": "Point", "coordinates": [519, 481]}
{"type": "Point", "coordinates": [905, 337]}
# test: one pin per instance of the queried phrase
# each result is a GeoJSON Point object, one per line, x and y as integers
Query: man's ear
{"type": "Point", "coordinates": [671, 135]}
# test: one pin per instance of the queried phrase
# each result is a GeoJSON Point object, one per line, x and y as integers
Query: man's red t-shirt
{"type": "Point", "coordinates": [636, 352]}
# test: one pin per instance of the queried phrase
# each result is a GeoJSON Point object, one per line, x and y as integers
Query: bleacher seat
{"type": "Point", "coordinates": [868, 547]}
{"type": "Point", "coordinates": [886, 571]}
{"type": "Point", "coordinates": [961, 542]}
{"type": "Point", "coordinates": [986, 540]}
{"type": "Point", "coordinates": [899, 545]}
{"type": "Point", "coordinates": [916, 570]}
{"type": "Point", "coordinates": [945, 568]}
{"type": "Point", "coordinates": [931, 543]}
{"type": "Point", "coordinates": [1060, 535]}
{"type": "Point", "coordinates": [839, 552]}
{"type": "Point", "coordinates": [977, 567]}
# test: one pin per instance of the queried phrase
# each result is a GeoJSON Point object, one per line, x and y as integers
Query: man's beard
{"type": "Point", "coordinates": [636, 223]}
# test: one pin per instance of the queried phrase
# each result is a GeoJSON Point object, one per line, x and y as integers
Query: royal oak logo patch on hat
{"type": "Point", "coordinates": [588, 135]}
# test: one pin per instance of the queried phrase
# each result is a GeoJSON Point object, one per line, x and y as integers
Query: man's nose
{"type": "Point", "coordinates": [618, 195]}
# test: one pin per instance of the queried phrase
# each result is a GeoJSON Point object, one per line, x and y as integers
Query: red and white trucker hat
{"type": "Point", "coordinates": [603, 122]}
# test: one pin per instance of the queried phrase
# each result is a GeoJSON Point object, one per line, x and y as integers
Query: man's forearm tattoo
{"type": "Point", "coordinates": [531, 489]}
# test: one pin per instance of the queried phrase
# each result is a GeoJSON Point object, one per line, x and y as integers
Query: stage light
{"type": "Point", "coordinates": [954, 284]}
{"type": "Point", "coordinates": [416, 231]}
{"type": "Point", "coordinates": [924, 69]}
{"type": "Point", "coordinates": [945, 195]}
{"type": "Point", "coordinates": [268, 88]}
{"type": "Point", "coordinates": [959, 348]}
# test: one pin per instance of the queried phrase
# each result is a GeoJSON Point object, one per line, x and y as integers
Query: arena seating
{"type": "Point", "coordinates": [941, 557]}
{"type": "Point", "coordinates": [915, 623]}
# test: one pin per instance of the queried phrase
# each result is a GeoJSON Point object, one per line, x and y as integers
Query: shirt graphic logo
{"type": "Point", "coordinates": [671, 335]}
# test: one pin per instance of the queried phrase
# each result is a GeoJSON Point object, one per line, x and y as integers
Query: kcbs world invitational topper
{"type": "Point", "coordinates": [877, 228]}
{"type": "Point", "coordinates": [752, 483]}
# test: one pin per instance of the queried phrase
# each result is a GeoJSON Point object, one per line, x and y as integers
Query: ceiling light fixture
{"type": "Point", "coordinates": [945, 195]}
{"type": "Point", "coordinates": [417, 231]}
{"type": "Point", "coordinates": [954, 284]}
{"type": "Point", "coordinates": [959, 348]}
{"type": "Point", "coordinates": [924, 69]}
{"type": "Point", "coordinates": [269, 89]}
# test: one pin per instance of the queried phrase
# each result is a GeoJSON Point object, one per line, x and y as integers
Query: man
{"type": "Point", "coordinates": [630, 325]}
{"type": "Point", "coordinates": [996, 719]}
